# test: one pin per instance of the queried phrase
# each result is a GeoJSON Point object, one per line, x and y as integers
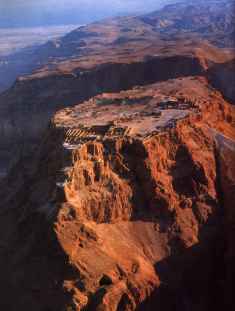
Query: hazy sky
{"type": "Point", "coordinates": [23, 13]}
{"type": "Point", "coordinates": [61, 4]}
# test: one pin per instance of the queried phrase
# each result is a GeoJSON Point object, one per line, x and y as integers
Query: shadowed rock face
{"type": "Point", "coordinates": [123, 204]}
{"type": "Point", "coordinates": [226, 148]}
{"type": "Point", "coordinates": [107, 56]}
{"type": "Point", "coordinates": [126, 202]}
{"type": "Point", "coordinates": [27, 107]}
{"type": "Point", "coordinates": [222, 78]}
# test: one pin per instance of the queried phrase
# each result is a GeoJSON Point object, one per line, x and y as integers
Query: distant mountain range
{"type": "Point", "coordinates": [45, 13]}
{"type": "Point", "coordinates": [212, 20]}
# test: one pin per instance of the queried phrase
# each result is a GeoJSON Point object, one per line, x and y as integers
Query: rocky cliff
{"type": "Point", "coordinates": [27, 107]}
{"type": "Point", "coordinates": [222, 78]}
{"type": "Point", "coordinates": [119, 149]}
{"type": "Point", "coordinates": [124, 205]}
{"type": "Point", "coordinates": [109, 56]}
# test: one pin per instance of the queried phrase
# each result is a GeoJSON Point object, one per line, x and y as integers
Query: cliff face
{"type": "Point", "coordinates": [127, 203]}
{"type": "Point", "coordinates": [28, 106]}
{"type": "Point", "coordinates": [222, 78]}
{"type": "Point", "coordinates": [226, 148]}
{"type": "Point", "coordinates": [124, 204]}
{"type": "Point", "coordinates": [108, 56]}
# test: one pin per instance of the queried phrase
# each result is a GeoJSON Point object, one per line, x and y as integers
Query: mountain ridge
{"type": "Point", "coordinates": [119, 151]}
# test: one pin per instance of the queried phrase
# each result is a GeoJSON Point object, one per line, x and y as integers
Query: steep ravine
{"type": "Point", "coordinates": [106, 221]}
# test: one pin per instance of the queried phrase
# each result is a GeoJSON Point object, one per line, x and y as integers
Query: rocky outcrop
{"type": "Point", "coordinates": [125, 199]}
{"type": "Point", "coordinates": [107, 56]}
{"type": "Point", "coordinates": [28, 106]}
{"type": "Point", "coordinates": [226, 155]}
{"type": "Point", "coordinates": [221, 77]}
{"type": "Point", "coordinates": [122, 206]}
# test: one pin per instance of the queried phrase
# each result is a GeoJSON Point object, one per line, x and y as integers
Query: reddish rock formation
{"type": "Point", "coordinates": [108, 56]}
{"type": "Point", "coordinates": [122, 208]}
{"type": "Point", "coordinates": [128, 202]}
{"type": "Point", "coordinates": [27, 107]}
